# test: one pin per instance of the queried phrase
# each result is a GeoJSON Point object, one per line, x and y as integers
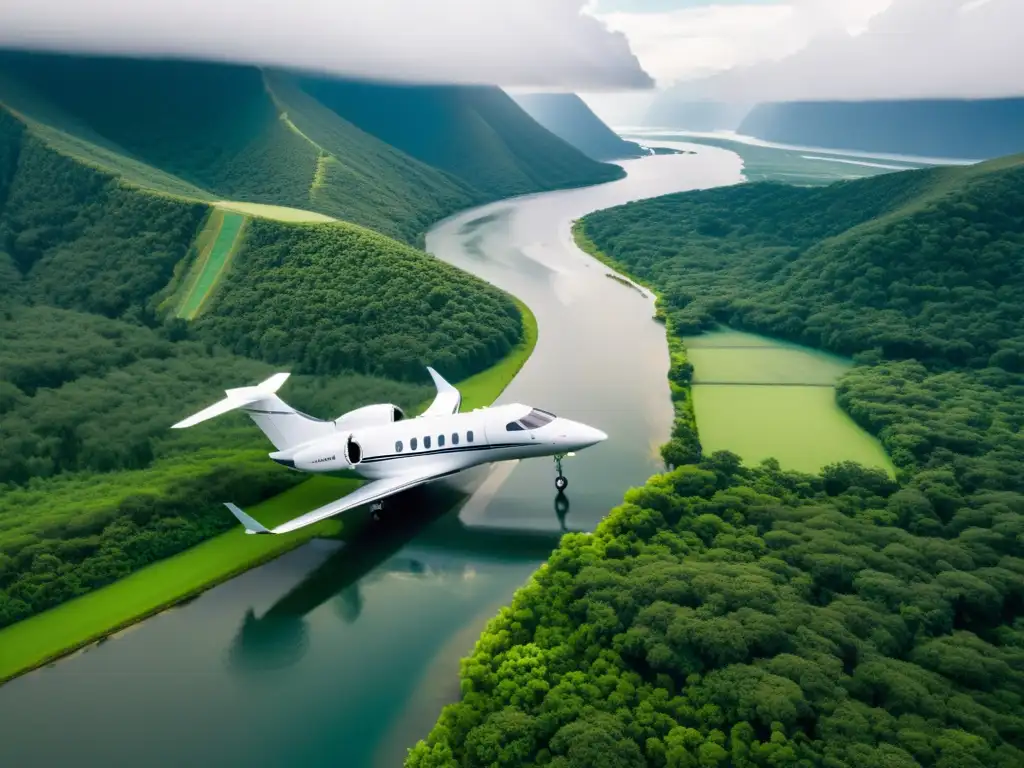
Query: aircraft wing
{"type": "Point", "coordinates": [365, 494]}
{"type": "Point", "coordinates": [447, 400]}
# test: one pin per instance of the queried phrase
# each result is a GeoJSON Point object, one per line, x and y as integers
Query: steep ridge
{"type": "Point", "coordinates": [973, 129]}
{"type": "Point", "coordinates": [215, 131]}
{"type": "Point", "coordinates": [567, 116]}
{"type": "Point", "coordinates": [476, 133]}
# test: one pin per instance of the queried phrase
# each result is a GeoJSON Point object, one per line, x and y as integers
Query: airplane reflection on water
{"type": "Point", "coordinates": [430, 515]}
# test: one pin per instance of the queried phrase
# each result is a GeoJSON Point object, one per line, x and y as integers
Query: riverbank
{"type": "Point", "coordinates": [757, 397]}
{"type": "Point", "coordinates": [684, 444]}
{"type": "Point", "coordinates": [48, 636]}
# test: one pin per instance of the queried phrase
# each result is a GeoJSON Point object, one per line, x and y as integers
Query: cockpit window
{"type": "Point", "coordinates": [535, 419]}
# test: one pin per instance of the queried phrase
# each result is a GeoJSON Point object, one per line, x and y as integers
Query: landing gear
{"type": "Point", "coordinates": [561, 482]}
{"type": "Point", "coordinates": [376, 511]}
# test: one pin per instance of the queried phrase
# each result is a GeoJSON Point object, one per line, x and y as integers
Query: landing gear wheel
{"type": "Point", "coordinates": [560, 482]}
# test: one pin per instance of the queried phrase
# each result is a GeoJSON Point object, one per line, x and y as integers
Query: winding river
{"type": "Point", "coordinates": [343, 656]}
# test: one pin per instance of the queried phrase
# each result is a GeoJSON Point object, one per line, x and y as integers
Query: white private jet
{"type": "Point", "coordinates": [394, 452]}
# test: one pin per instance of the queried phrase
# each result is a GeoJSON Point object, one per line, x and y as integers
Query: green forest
{"type": "Point", "coordinates": [726, 615]}
{"type": "Point", "coordinates": [338, 298]}
{"type": "Point", "coordinates": [95, 367]}
{"type": "Point", "coordinates": [227, 132]}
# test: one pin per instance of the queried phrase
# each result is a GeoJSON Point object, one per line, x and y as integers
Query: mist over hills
{"type": "Point", "coordinates": [671, 111]}
{"type": "Point", "coordinates": [567, 116]}
{"type": "Point", "coordinates": [972, 129]}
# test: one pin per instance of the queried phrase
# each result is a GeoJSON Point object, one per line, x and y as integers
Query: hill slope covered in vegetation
{"type": "Point", "coordinates": [476, 133]}
{"type": "Point", "coordinates": [395, 159]}
{"type": "Point", "coordinates": [745, 616]}
{"type": "Point", "coordinates": [95, 365]}
{"type": "Point", "coordinates": [567, 116]}
{"type": "Point", "coordinates": [225, 132]}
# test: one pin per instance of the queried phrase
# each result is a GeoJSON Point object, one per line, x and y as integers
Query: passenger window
{"type": "Point", "coordinates": [412, 444]}
{"type": "Point", "coordinates": [426, 441]}
{"type": "Point", "coordinates": [469, 436]}
{"type": "Point", "coordinates": [455, 438]}
{"type": "Point", "coordinates": [440, 441]}
{"type": "Point", "coordinates": [398, 446]}
{"type": "Point", "coordinates": [514, 426]}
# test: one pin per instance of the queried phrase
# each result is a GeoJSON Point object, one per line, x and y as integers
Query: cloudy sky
{"type": "Point", "coordinates": [821, 49]}
{"type": "Point", "coordinates": [728, 49]}
{"type": "Point", "coordinates": [508, 42]}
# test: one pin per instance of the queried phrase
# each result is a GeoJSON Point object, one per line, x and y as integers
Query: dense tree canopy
{"type": "Point", "coordinates": [922, 264]}
{"type": "Point", "coordinates": [746, 616]}
{"type": "Point", "coordinates": [94, 484]}
{"type": "Point", "coordinates": [726, 616]}
{"type": "Point", "coordinates": [336, 298]}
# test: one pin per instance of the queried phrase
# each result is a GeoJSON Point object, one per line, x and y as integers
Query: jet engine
{"type": "Point", "coordinates": [369, 416]}
{"type": "Point", "coordinates": [340, 451]}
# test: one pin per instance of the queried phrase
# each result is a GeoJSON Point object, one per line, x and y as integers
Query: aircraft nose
{"type": "Point", "coordinates": [586, 435]}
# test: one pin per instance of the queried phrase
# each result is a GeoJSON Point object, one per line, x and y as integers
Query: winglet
{"type": "Point", "coordinates": [251, 526]}
{"type": "Point", "coordinates": [448, 399]}
{"type": "Point", "coordinates": [439, 382]}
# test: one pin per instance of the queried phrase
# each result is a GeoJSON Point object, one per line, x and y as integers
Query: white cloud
{"type": "Point", "coordinates": [507, 42]}
{"type": "Point", "coordinates": [916, 49]}
{"type": "Point", "coordinates": [695, 42]}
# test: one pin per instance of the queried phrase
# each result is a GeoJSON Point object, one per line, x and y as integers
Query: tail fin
{"type": "Point", "coordinates": [285, 426]}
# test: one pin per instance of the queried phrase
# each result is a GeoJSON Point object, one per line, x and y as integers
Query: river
{"type": "Point", "coordinates": [343, 656]}
{"type": "Point", "coordinates": [328, 657]}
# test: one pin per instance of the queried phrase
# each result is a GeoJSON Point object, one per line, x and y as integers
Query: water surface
{"type": "Point", "coordinates": [343, 657]}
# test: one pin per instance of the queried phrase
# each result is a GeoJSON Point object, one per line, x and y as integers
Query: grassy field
{"type": "Point", "coordinates": [276, 212]}
{"type": "Point", "coordinates": [216, 244]}
{"type": "Point", "coordinates": [45, 637]}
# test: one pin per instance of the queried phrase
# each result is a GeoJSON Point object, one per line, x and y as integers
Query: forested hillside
{"type": "Point", "coordinates": [745, 616]}
{"type": "Point", "coordinates": [476, 133]}
{"type": "Point", "coordinates": [975, 128]}
{"type": "Point", "coordinates": [95, 366]}
{"type": "Point", "coordinates": [567, 116]}
{"type": "Point", "coordinates": [226, 132]}
{"type": "Point", "coordinates": [395, 159]}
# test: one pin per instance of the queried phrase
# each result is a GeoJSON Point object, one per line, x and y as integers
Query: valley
{"type": "Point", "coordinates": [146, 270]}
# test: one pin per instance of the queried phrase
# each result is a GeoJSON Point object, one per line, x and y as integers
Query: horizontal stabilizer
{"type": "Point", "coordinates": [236, 398]}
{"type": "Point", "coordinates": [251, 526]}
